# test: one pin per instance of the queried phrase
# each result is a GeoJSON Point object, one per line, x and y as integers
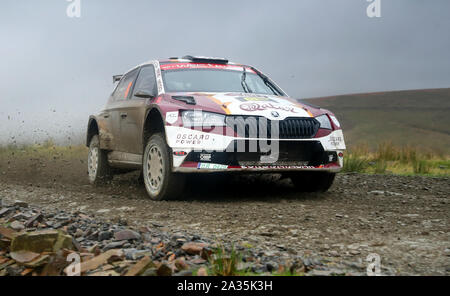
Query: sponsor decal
{"type": "Point", "coordinates": [181, 66]}
{"type": "Point", "coordinates": [158, 77]}
{"type": "Point", "coordinates": [335, 141]}
{"type": "Point", "coordinates": [254, 99]}
{"type": "Point", "coordinates": [251, 107]}
{"type": "Point", "coordinates": [191, 139]}
{"type": "Point", "coordinates": [277, 167]}
{"type": "Point", "coordinates": [205, 157]}
{"type": "Point", "coordinates": [172, 117]}
{"type": "Point", "coordinates": [211, 166]}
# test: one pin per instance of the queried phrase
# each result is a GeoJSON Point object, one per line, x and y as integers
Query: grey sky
{"type": "Point", "coordinates": [56, 71]}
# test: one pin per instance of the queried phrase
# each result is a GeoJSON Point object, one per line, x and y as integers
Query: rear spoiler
{"type": "Point", "coordinates": [117, 78]}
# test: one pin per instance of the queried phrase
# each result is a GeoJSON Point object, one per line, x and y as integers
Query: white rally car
{"type": "Point", "coordinates": [205, 115]}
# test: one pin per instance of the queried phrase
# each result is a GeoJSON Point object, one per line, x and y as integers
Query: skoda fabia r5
{"type": "Point", "coordinates": [196, 115]}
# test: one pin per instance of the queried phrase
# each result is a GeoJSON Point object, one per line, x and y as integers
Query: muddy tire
{"type": "Point", "coordinates": [312, 181]}
{"type": "Point", "coordinates": [99, 171]}
{"type": "Point", "coordinates": [159, 180]}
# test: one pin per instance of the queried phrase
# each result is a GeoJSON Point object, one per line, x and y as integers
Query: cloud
{"type": "Point", "coordinates": [311, 48]}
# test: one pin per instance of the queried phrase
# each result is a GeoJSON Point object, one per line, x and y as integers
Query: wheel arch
{"type": "Point", "coordinates": [154, 123]}
{"type": "Point", "coordinates": [92, 129]}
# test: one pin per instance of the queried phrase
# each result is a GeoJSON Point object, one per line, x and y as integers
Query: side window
{"type": "Point", "coordinates": [146, 81]}
{"type": "Point", "coordinates": [125, 86]}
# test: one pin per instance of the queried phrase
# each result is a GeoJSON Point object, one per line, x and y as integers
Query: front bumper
{"type": "Point", "coordinates": [201, 152]}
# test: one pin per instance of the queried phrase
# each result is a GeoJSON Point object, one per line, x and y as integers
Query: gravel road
{"type": "Point", "coordinates": [405, 220]}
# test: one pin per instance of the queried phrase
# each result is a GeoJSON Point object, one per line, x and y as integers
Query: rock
{"type": "Point", "coordinates": [206, 253]}
{"type": "Point", "coordinates": [20, 204]}
{"type": "Point", "coordinates": [7, 232]}
{"type": "Point", "coordinates": [39, 261]}
{"type": "Point", "coordinates": [183, 273]}
{"type": "Point", "coordinates": [16, 225]}
{"type": "Point", "coordinates": [14, 270]}
{"type": "Point", "coordinates": [41, 241]}
{"type": "Point", "coordinates": [164, 270]}
{"type": "Point", "coordinates": [94, 249]}
{"type": "Point", "coordinates": [271, 266]}
{"type": "Point", "coordinates": [105, 273]}
{"type": "Point", "coordinates": [447, 252]}
{"type": "Point", "coordinates": [376, 192]}
{"type": "Point", "coordinates": [5, 211]}
{"type": "Point", "coordinates": [353, 246]}
{"type": "Point", "coordinates": [181, 264]}
{"type": "Point", "coordinates": [134, 254]}
{"type": "Point", "coordinates": [99, 260]}
{"type": "Point", "coordinates": [6, 264]}
{"type": "Point", "coordinates": [24, 256]}
{"type": "Point", "coordinates": [193, 248]}
{"type": "Point", "coordinates": [140, 267]}
{"type": "Point", "coordinates": [202, 272]}
{"type": "Point", "coordinates": [103, 211]}
{"type": "Point", "coordinates": [126, 209]}
{"type": "Point", "coordinates": [127, 235]}
{"type": "Point", "coordinates": [150, 272]}
{"type": "Point", "coordinates": [393, 193]}
{"type": "Point", "coordinates": [315, 272]}
{"type": "Point", "coordinates": [78, 233]}
{"type": "Point", "coordinates": [20, 216]}
{"type": "Point", "coordinates": [198, 261]}
{"type": "Point", "coordinates": [93, 236]}
{"type": "Point", "coordinates": [334, 253]}
{"type": "Point", "coordinates": [4, 244]}
{"type": "Point", "coordinates": [114, 245]}
{"type": "Point", "coordinates": [104, 235]}
{"type": "Point", "coordinates": [411, 215]}
{"type": "Point", "coordinates": [156, 224]}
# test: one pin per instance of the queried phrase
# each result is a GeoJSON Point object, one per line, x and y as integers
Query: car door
{"type": "Point", "coordinates": [116, 107]}
{"type": "Point", "coordinates": [133, 111]}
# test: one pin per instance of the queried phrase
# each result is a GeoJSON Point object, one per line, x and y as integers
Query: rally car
{"type": "Point", "coordinates": [203, 115]}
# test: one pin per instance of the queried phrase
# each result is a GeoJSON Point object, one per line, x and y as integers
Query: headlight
{"type": "Point", "coordinates": [200, 118]}
{"type": "Point", "coordinates": [324, 121]}
{"type": "Point", "coordinates": [335, 121]}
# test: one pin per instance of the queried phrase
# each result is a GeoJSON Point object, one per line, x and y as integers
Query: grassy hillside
{"type": "Point", "coordinates": [419, 118]}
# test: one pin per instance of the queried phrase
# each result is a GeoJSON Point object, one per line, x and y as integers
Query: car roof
{"type": "Point", "coordinates": [185, 60]}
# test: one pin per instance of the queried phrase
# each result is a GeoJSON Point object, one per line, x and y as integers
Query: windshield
{"type": "Point", "coordinates": [214, 80]}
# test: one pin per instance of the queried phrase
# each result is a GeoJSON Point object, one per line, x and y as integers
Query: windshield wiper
{"type": "Point", "coordinates": [267, 82]}
{"type": "Point", "coordinates": [244, 83]}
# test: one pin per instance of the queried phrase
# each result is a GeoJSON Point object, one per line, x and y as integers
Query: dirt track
{"type": "Point", "coordinates": [403, 219]}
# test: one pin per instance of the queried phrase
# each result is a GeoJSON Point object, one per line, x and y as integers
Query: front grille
{"type": "Point", "coordinates": [260, 127]}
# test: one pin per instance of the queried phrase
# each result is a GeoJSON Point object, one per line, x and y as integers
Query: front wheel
{"type": "Point", "coordinates": [312, 181]}
{"type": "Point", "coordinates": [160, 182]}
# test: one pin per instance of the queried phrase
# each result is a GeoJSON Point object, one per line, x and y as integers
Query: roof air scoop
{"type": "Point", "coordinates": [197, 59]}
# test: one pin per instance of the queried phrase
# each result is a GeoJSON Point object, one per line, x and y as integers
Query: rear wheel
{"type": "Point", "coordinates": [160, 182]}
{"type": "Point", "coordinates": [312, 181]}
{"type": "Point", "coordinates": [99, 170]}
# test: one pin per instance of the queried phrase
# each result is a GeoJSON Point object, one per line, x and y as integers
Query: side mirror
{"type": "Point", "coordinates": [143, 94]}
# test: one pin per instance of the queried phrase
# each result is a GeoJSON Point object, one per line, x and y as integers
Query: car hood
{"type": "Point", "coordinates": [271, 107]}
